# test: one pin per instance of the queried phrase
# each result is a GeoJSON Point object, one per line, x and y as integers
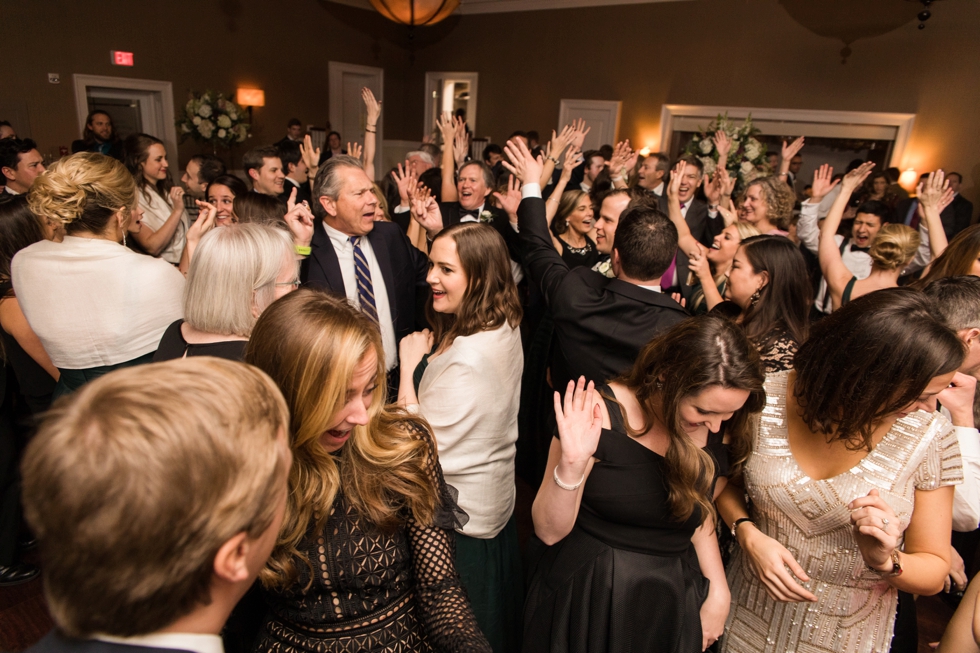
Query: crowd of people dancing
{"type": "Point", "coordinates": [289, 413]}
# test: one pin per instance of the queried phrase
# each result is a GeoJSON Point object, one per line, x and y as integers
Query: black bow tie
{"type": "Point", "coordinates": [473, 213]}
{"type": "Point", "coordinates": [855, 248]}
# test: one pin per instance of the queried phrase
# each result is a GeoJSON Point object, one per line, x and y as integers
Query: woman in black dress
{"type": "Point", "coordinates": [632, 562]}
{"type": "Point", "coordinates": [571, 228]}
{"type": "Point", "coordinates": [364, 561]}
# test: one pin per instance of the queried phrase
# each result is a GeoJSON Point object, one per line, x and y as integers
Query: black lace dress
{"type": "Point", "coordinates": [626, 579]}
{"type": "Point", "coordinates": [375, 592]}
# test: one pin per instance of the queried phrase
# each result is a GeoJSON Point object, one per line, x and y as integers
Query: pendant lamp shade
{"type": "Point", "coordinates": [415, 12]}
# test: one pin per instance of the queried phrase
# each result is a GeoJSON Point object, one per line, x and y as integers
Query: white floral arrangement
{"type": "Point", "coordinates": [212, 118]}
{"type": "Point", "coordinates": [746, 159]}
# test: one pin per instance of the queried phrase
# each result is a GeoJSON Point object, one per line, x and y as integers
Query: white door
{"type": "Point", "coordinates": [347, 112]}
{"type": "Point", "coordinates": [602, 116]}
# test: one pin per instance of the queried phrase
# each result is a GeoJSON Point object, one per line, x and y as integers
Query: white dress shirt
{"type": "Point", "coordinates": [93, 302]}
{"type": "Point", "coordinates": [156, 211]}
{"type": "Point", "coordinates": [193, 642]}
{"type": "Point", "coordinates": [345, 257]}
{"type": "Point", "coordinates": [808, 231]}
{"type": "Point", "coordinates": [470, 395]}
{"type": "Point", "coordinates": [966, 495]}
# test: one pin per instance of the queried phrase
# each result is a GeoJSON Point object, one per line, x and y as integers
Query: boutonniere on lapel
{"type": "Point", "coordinates": [604, 268]}
{"type": "Point", "coordinates": [486, 217]}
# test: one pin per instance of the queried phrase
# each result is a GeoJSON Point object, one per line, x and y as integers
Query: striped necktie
{"type": "Point", "coordinates": [365, 289]}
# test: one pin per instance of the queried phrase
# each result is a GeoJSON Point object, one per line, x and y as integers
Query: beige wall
{"type": "Point", "coordinates": [719, 52]}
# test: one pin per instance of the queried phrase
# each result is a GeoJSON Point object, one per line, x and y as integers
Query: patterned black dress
{"type": "Point", "coordinates": [376, 592]}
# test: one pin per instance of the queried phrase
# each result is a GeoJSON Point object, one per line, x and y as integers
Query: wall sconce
{"type": "Point", "coordinates": [250, 97]}
{"type": "Point", "coordinates": [908, 179]}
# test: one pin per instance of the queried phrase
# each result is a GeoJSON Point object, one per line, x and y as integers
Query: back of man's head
{"type": "Point", "coordinates": [211, 167]}
{"type": "Point", "coordinates": [134, 484]}
{"type": "Point", "coordinates": [646, 241]}
{"type": "Point", "coordinates": [957, 301]}
{"type": "Point", "coordinates": [290, 155]}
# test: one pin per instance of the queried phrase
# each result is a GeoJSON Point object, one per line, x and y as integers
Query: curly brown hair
{"type": "Point", "coordinates": [779, 199]}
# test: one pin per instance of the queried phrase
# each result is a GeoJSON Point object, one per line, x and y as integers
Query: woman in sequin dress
{"type": "Point", "coordinates": [850, 483]}
{"type": "Point", "coordinates": [364, 559]}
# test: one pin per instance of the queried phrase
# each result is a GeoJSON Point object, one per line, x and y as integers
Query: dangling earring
{"type": "Point", "coordinates": [755, 297]}
{"type": "Point", "coordinates": [124, 239]}
{"type": "Point", "coordinates": [659, 384]}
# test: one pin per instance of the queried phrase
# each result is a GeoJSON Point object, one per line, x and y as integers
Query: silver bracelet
{"type": "Point", "coordinates": [570, 488]}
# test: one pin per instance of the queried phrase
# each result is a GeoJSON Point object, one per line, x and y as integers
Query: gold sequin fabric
{"type": "Point", "coordinates": [855, 607]}
{"type": "Point", "coordinates": [376, 592]}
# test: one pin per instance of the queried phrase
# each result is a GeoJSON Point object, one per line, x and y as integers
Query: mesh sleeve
{"type": "Point", "coordinates": [446, 614]}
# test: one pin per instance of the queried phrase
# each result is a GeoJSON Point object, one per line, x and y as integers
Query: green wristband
{"type": "Point", "coordinates": [302, 251]}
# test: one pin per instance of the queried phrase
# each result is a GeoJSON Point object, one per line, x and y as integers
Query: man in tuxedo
{"type": "Point", "coordinates": [652, 177]}
{"type": "Point", "coordinates": [20, 163]}
{"type": "Point", "coordinates": [372, 264]}
{"type": "Point", "coordinates": [592, 165]}
{"type": "Point", "coordinates": [296, 171]}
{"type": "Point", "coordinates": [959, 213]}
{"type": "Point", "coordinates": [264, 169]}
{"type": "Point", "coordinates": [294, 133]}
{"type": "Point", "coordinates": [601, 324]}
{"type": "Point", "coordinates": [156, 493]}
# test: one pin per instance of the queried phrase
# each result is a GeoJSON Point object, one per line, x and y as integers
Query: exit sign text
{"type": "Point", "coordinates": [120, 58]}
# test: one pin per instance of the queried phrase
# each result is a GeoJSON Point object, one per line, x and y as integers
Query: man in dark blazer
{"type": "Point", "coordinates": [344, 207]}
{"type": "Point", "coordinates": [959, 214]}
{"type": "Point", "coordinates": [601, 324]}
{"type": "Point", "coordinates": [295, 170]}
{"type": "Point", "coordinates": [156, 511]}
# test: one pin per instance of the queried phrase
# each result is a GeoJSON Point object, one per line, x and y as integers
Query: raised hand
{"type": "Point", "coordinates": [310, 156]}
{"type": "Point", "coordinates": [425, 211]}
{"type": "Point", "coordinates": [579, 424]}
{"type": "Point", "coordinates": [856, 177]}
{"type": "Point", "coordinates": [698, 264]}
{"type": "Point", "coordinates": [791, 149]}
{"type": "Point", "coordinates": [723, 143]}
{"type": "Point", "coordinates": [299, 219]}
{"type": "Point", "coordinates": [621, 154]}
{"type": "Point", "coordinates": [676, 176]}
{"type": "Point", "coordinates": [876, 530]}
{"type": "Point", "coordinates": [510, 200]}
{"type": "Point", "coordinates": [573, 156]}
{"type": "Point", "coordinates": [579, 131]}
{"type": "Point", "coordinates": [204, 223]}
{"type": "Point", "coordinates": [930, 192]}
{"type": "Point", "coordinates": [560, 141]}
{"type": "Point", "coordinates": [373, 107]}
{"type": "Point", "coordinates": [713, 187]}
{"type": "Point", "coordinates": [406, 180]}
{"type": "Point", "coordinates": [354, 150]}
{"type": "Point", "coordinates": [522, 164]}
{"type": "Point", "coordinates": [460, 145]}
{"type": "Point", "coordinates": [729, 216]}
{"type": "Point", "coordinates": [177, 196]}
{"type": "Point", "coordinates": [447, 127]}
{"type": "Point", "coordinates": [822, 183]}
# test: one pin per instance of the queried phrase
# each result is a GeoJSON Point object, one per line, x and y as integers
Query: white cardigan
{"type": "Point", "coordinates": [470, 394]}
{"type": "Point", "coordinates": [93, 302]}
{"type": "Point", "coordinates": [156, 210]}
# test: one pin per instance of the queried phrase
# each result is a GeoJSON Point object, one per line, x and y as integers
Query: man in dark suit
{"type": "Point", "coordinates": [601, 324]}
{"type": "Point", "coordinates": [372, 264]}
{"type": "Point", "coordinates": [959, 214]}
{"type": "Point", "coordinates": [294, 133]}
{"type": "Point", "coordinates": [295, 170]}
{"type": "Point", "coordinates": [156, 511]}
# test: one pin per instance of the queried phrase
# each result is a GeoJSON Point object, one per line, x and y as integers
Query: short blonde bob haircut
{"type": "Point", "coordinates": [232, 277]}
{"type": "Point", "coordinates": [82, 192]}
{"type": "Point", "coordinates": [134, 482]}
{"type": "Point", "coordinates": [311, 343]}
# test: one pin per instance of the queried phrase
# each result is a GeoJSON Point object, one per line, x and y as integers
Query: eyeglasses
{"type": "Point", "coordinates": [295, 283]}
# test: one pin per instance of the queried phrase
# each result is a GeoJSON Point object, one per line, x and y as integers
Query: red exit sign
{"type": "Point", "coordinates": [120, 58]}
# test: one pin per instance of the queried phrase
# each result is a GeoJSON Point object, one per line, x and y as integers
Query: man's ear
{"type": "Point", "coordinates": [8, 172]}
{"type": "Point", "coordinates": [290, 168]}
{"type": "Point", "coordinates": [329, 205]}
{"type": "Point", "coordinates": [231, 560]}
{"type": "Point", "coordinates": [253, 174]}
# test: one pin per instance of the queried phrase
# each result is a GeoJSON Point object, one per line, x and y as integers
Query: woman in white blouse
{"type": "Point", "coordinates": [165, 222]}
{"type": "Point", "coordinates": [95, 304]}
{"type": "Point", "coordinates": [465, 379]}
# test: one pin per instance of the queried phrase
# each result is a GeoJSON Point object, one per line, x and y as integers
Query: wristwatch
{"type": "Point", "coordinates": [896, 566]}
{"type": "Point", "coordinates": [739, 521]}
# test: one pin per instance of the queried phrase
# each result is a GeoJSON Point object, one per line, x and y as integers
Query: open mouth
{"type": "Point", "coordinates": [438, 294]}
{"type": "Point", "coordinates": [339, 436]}
{"type": "Point", "coordinates": [715, 246]}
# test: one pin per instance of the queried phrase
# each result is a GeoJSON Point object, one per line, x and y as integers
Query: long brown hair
{"type": "Point", "coordinates": [310, 343]}
{"type": "Point", "coordinates": [784, 302]}
{"type": "Point", "coordinates": [692, 356]}
{"type": "Point", "coordinates": [137, 149]}
{"type": "Point", "coordinates": [958, 258]}
{"type": "Point", "coordinates": [869, 359]}
{"type": "Point", "coordinates": [491, 297]}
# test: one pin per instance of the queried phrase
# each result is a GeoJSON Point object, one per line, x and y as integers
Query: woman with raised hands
{"type": "Point", "coordinates": [448, 377]}
{"type": "Point", "coordinates": [631, 560]}
{"type": "Point", "coordinates": [95, 304]}
{"type": "Point", "coordinates": [164, 218]}
{"type": "Point", "coordinates": [849, 480]}
{"type": "Point", "coordinates": [711, 266]}
{"type": "Point", "coordinates": [892, 249]}
{"type": "Point", "coordinates": [364, 560]}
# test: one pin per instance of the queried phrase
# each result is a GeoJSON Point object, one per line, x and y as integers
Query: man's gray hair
{"type": "Point", "coordinates": [957, 300]}
{"type": "Point", "coordinates": [425, 156]}
{"type": "Point", "coordinates": [328, 182]}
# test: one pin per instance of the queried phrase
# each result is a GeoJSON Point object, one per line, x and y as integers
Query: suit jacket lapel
{"type": "Point", "coordinates": [326, 257]}
{"type": "Point", "coordinates": [381, 252]}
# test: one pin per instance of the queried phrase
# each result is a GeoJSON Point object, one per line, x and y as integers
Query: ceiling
{"type": "Point", "coordinates": [500, 6]}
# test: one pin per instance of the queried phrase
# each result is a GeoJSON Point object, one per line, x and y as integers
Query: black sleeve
{"type": "Point", "coordinates": [420, 263]}
{"type": "Point", "coordinates": [542, 262]}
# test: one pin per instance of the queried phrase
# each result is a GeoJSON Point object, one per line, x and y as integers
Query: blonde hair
{"type": "Point", "coordinates": [894, 246]}
{"type": "Point", "coordinates": [779, 199]}
{"type": "Point", "coordinates": [83, 191]}
{"type": "Point", "coordinates": [134, 482]}
{"type": "Point", "coordinates": [311, 343]}
{"type": "Point", "coordinates": [233, 270]}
